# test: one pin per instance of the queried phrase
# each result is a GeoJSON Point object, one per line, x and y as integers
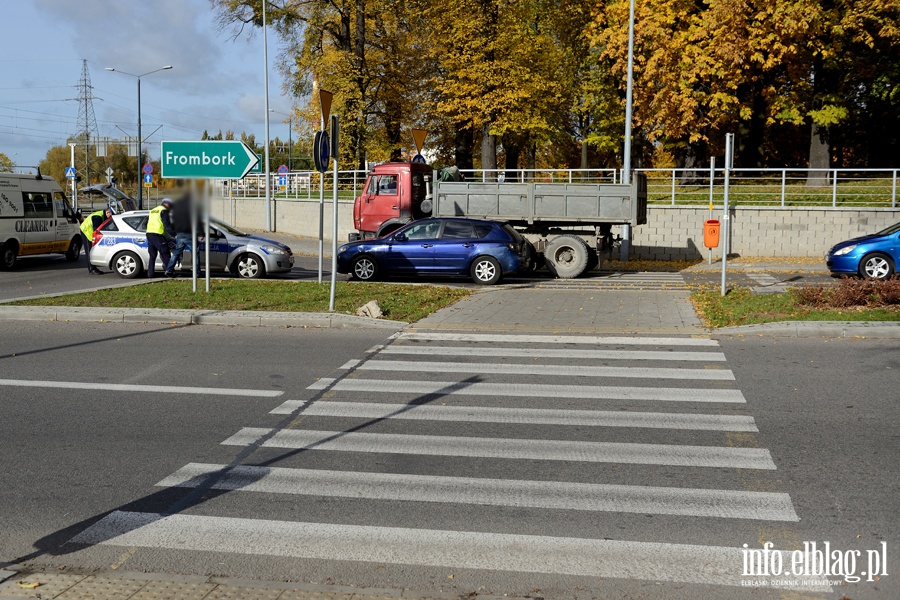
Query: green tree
{"type": "Point", "coordinates": [6, 165]}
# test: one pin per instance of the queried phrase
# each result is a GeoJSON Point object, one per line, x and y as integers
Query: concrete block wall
{"type": "Point", "coordinates": [671, 232]}
{"type": "Point", "coordinates": [677, 232]}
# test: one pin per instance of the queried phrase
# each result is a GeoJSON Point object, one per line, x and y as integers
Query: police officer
{"type": "Point", "coordinates": [159, 230]}
{"type": "Point", "coordinates": [88, 225]}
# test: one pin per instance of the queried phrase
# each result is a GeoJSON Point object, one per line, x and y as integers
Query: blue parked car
{"type": "Point", "coordinates": [872, 256]}
{"type": "Point", "coordinates": [480, 249]}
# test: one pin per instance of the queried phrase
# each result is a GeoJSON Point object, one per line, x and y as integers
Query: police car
{"type": "Point", "coordinates": [120, 244]}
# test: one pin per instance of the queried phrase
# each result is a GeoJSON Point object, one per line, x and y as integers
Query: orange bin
{"type": "Point", "coordinates": [711, 234]}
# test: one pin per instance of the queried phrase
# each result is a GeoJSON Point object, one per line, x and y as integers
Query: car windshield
{"type": "Point", "coordinates": [892, 229]}
{"type": "Point", "coordinates": [229, 229]}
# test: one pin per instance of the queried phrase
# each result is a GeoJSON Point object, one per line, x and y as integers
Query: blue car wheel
{"type": "Point", "coordinates": [876, 266]}
{"type": "Point", "coordinates": [364, 268]}
{"type": "Point", "coordinates": [485, 270]}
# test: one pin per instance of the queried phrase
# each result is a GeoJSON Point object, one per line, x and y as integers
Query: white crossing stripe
{"type": "Point", "coordinates": [715, 565]}
{"type": "Point", "coordinates": [523, 449]}
{"type": "Point", "coordinates": [157, 389]}
{"type": "Point", "coordinates": [287, 407]}
{"type": "Point", "coordinates": [557, 339]}
{"type": "Point", "coordinates": [571, 353]}
{"type": "Point", "coordinates": [529, 416]}
{"type": "Point", "coordinates": [730, 504]}
{"type": "Point", "coordinates": [542, 369]}
{"type": "Point", "coordinates": [521, 390]}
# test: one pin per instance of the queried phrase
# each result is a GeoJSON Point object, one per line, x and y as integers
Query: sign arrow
{"type": "Point", "coordinates": [209, 159]}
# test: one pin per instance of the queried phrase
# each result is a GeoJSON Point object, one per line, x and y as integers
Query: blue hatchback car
{"type": "Point", "coordinates": [481, 249]}
{"type": "Point", "coordinates": [872, 256]}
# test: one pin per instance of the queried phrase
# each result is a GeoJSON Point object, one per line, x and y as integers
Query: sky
{"type": "Point", "coordinates": [216, 83]}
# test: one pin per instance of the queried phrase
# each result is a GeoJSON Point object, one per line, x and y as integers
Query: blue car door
{"type": "Point", "coordinates": [411, 250]}
{"type": "Point", "coordinates": [456, 247]}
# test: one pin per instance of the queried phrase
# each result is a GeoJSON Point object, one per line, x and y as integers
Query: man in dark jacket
{"type": "Point", "coordinates": [184, 213]}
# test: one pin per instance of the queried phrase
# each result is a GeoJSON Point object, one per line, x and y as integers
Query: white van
{"type": "Point", "coordinates": [35, 218]}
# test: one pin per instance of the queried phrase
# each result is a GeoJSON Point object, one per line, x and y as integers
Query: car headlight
{"type": "Point", "coordinates": [272, 249]}
{"type": "Point", "coordinates": [343, 248]}
{"type": "Point", "coordinates": [845, 250]}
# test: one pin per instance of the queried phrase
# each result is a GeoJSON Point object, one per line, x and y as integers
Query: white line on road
{"type": "Point", "coordinates": [541, 353]}
{"type": "Point", "coordinates": [525, 416]}
{"type": "Point", "coordinates": [716, 565]}
{"type": "Point", "coordinates": [729, 504]}
{"type": "Point", "coordinates": [519, 449]}
{"type": "Point", "coordinates": [520, 390]}
{"type": "Point", "coordinates": [542, 369]}
{"type": "Point", "coordinates": [557, 339]}
{"type": "Point", "coordinates": [287, 407]}
{"type": "Point", "coordinates": [157, 389]}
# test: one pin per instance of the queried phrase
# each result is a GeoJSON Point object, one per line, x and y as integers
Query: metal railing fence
{"type": "Point", "coordinates": [852, 188]}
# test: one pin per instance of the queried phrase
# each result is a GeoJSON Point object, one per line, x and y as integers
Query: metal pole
{"type": "Point", "coordinates": [206, 200]}
{"type": "Point", "coordinates": [74, 183]}
{"type": "Point", "coordinates": [321, 218]}
{"type": "Point", "coordinates": [783, 182]}
{"type": "Point", "coordinates": [729, 158]}
{"type": "Point", "coordinates": [266, 84]}
{"type": "Point", "coordinates": [712, 180]}
{"type": "Point", "coordinates": [140, 143]}
{"type": "Point", "coordinates": [290, 142]}
{"type": "Point", "coordinates": [626, 177]}
{"type": "Point", "coordinates": [194, 246]}
{"type": "Point", "coordinates": [334, 218]}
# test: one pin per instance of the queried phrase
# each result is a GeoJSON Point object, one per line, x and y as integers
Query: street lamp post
{"type": "Point", "coordinates": [140, 142]}
{"type": "Point", "coordinates": [290, 134]}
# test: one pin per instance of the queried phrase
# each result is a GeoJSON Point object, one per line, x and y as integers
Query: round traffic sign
{"type": "Point", "coordinates": [148, 168]}
{"type": "Point", "coordinates": [283, 170]}
{"type": "Point", "coordinates": [418, 158]}
{"type": "Point", "coordinates": [321, 151]}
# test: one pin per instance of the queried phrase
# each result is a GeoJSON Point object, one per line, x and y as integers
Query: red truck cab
{"type": "Point", "coordinates": [393, 196]}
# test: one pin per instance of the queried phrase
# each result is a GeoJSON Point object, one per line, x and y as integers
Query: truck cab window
{"type": "Point", "coordinates": [387, 184]}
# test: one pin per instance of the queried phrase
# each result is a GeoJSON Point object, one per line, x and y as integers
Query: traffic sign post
{"type": "Point", "coordinates": [209, 159]}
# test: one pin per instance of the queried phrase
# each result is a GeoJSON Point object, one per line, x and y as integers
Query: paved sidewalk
{"type": "Point", "coordinates": [113, 585]}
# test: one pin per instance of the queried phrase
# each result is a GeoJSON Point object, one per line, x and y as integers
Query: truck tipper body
{"type": "Point", "coordinates": [568, 223]}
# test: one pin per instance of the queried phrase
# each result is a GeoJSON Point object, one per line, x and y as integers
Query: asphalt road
{"type": "Point", "coordinates": [337, 465]}
{"type": "Point", "coordinates": [52, 274]}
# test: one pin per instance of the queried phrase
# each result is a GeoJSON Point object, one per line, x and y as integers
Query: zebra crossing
{"type": "Point", "coordinates": [614, 280]}
{"type": "Point", "coordinates": [553, 426]}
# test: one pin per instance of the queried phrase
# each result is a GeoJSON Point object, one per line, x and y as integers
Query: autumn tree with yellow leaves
{"type": "Point", "coordinates": [798, 81]}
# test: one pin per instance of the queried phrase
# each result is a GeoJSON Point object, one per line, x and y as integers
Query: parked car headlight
{"type": "Point", "coordinates": [272, 249]}
{"type": "Point", "coordinates": [845, 250]}
{"type": "Point", "coordinates": [343, 248]}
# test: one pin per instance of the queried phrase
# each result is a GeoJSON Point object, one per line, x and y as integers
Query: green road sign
{"type": "Point", "coordinates": [258, 167]}
{"type": "Point", "coordinates": [231, 159]}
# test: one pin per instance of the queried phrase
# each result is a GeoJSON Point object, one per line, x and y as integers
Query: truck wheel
{"type": "Point", "coordinates": [566, 256]}
{"type": "Point", "coordinates": [74, 250]}
{"type": "Point", "coordinates": [127, 264]}
{"type": "Point", "coordinates": [8, 256]}
{"type": "Point", "coordinates": [485, 270]}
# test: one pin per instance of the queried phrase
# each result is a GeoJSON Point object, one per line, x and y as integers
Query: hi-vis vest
{"type": "Point", "coordinates": [87, 226]}
{"type": "Point", "coordinates": [154, 221]}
